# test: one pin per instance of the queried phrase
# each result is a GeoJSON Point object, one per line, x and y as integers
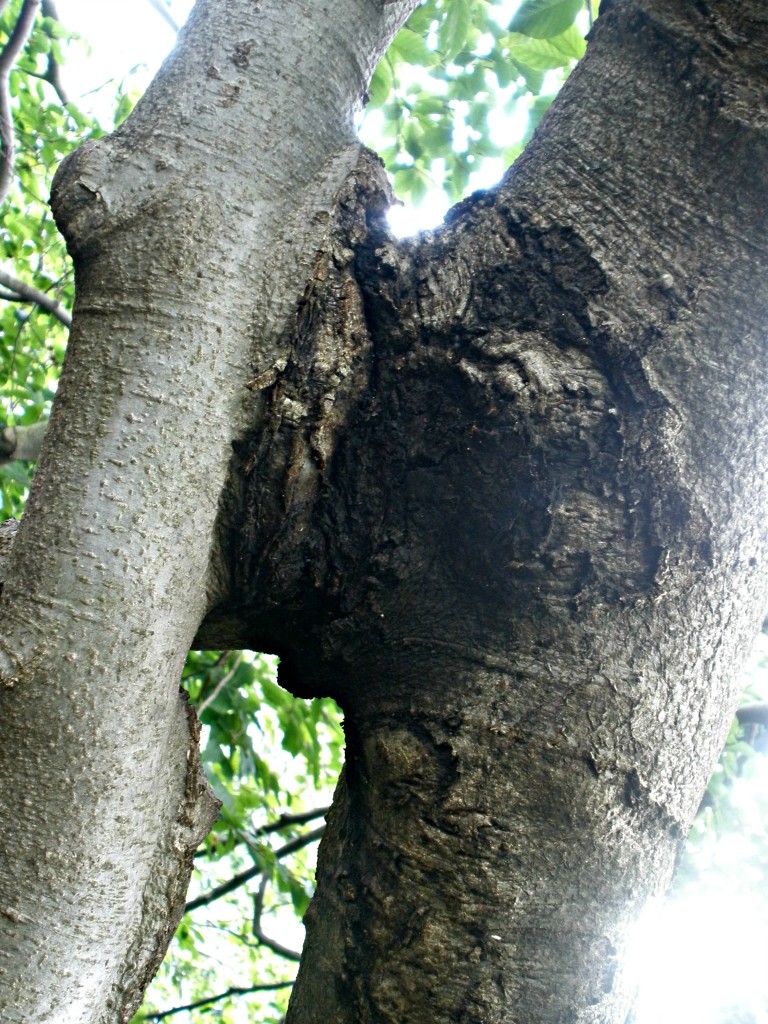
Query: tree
{"type": "Point", "coordinates": [498, 490]}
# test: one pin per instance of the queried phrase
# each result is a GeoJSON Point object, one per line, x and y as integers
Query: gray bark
{"type": "Point", "coordinates": [192, 230]}
{"type": "Point", "coordinates": [515, 524]}
{"type": "Point", "coordinates": [499, 490]}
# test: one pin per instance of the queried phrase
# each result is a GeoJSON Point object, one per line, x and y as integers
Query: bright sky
{"type": "Point", "coordinates": [130, 38]}
{"type": "Point", "coordinates": [122, 34]}
{"type": "Point", "coordinates": [697, 954]}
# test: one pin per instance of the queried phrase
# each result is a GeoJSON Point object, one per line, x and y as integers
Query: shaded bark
{"type": "Point", "coordinates": [507, 507]}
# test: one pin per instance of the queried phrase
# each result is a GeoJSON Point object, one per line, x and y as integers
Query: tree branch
{"type": "Point", "coordinates": [258, 933]}
{"type": "Point", "coordinates": [53, 78]}
{"type": "Point", "coordinates": [220, 685]}
{"type": "Point", "coordinates": [8, 57]}
{"type": "Point", "coordinates": [27, 293]}
{"type": "Point", "coordinates": [753, 714]}
{"type": "Point", "coordinates": [22, 444]}
{"type": "Point", "coordinates": [292, 819]}
{"type": "Point", "coordinates": [218, 998]}
{"type": "Point", "coordinates": [246, 876]}
{"type": "Point", "coordinates": [53, 72]}
{"type": "Point", "coordinates": [284, 821]}
{"type": "Point", "coordinates": [164, 13]}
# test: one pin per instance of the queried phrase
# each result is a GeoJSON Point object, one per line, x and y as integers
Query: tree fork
{"type": "Point", "coordinates": [513, 563]}
{"type": "Point", "coordinates": [499, 487]}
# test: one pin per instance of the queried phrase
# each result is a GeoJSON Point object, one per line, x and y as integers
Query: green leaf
{"type": "Point", "coordinates": [423, 18]}
{"type": "Point", "coordinates": [452, 33]}
{"type": "Point", "coordinates": [544, 19]}
{"type": "Point", "coordinates": [546, 54]}
{"type": "Point", "coordinates": [571, 43]}
{"type": "Point", "coordinates": [412, 48]}
{"type": "Point", "coordinates": [534, 77]}
{"type": "Point", "coordinates": [16, 473]}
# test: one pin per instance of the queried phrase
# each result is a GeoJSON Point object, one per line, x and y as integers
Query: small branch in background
{"type": "Point", "coordinates": [242, 939]}
{"type": "Point", "coordinates": [27, 293]}
{"type": "Point", "coordinates": [22, 444]}
{"type": "Point", "coordinates": [52, 77]}
{"type": "Point", "coordinates": [11, 51]}
{"type": "Point", "coordinates": [246, 876]}
{"type": "Point", "coordinates": [220, 685]}
{"type": "Point", "coordinates": [53, 72]}
{"type": "Point", "coordinates": [258, 932]}
{"type": "Point", "coordinates": [290, 819]}
{"type": "Point", "coordinates": [753, 714]}
{"type": "Point", "coordinates": [284, 821]}
{"type": "Point", "coordinates": [275, 986]}
{"type": "Point", "coordinates": [221, 890]}
{"type": "Point", "coordinates": [164, 13]}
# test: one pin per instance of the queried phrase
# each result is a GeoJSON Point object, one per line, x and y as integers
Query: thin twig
{"type": "Point", "coordinates": [220, 928]}
{"type": "Point", "coordinates": [220, 685]}
{"type": "Point", "coordinates": [26, 293]}
{"type": "Point", "coordinates": [164, 13]}
{"type": "Point", "coordinates": [284, 821]}
{"type": "Point", "coordinates": [258, 932]}
{"type": "Point", "coordinates": [245, 876]}
{"type": "Point", "coordinates": [11, 51]}
{"type": "Point", "coordinates": [217, 999]}
{"type": "Point", "coordinates": [53, 78]}
{"type": "Point", "coordinates": [290, 819]}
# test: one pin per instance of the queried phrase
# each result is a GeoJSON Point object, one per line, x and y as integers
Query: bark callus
{"type": "Point", "coordinates": [419, 473]}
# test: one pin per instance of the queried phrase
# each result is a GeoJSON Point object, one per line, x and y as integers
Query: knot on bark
{"type": "Point", "coordinates": [81, 195]}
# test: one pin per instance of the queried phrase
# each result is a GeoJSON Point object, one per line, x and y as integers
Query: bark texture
{"type": "Point", "coordinates": [220, 177]}
{"type": "Point", "coordinates": [499, 490]}
{"type": "Point", "coordinates": [506, 504]}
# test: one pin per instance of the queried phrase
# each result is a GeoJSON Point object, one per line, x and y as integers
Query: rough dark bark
{"type": "Point", "coordinates": [508, 509]}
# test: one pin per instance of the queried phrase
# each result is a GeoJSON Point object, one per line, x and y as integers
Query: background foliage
{"type": "Point", "coordinates": [454, 101]}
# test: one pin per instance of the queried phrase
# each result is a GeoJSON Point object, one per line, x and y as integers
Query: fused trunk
{"type": "Point", "coordinates": [507, 507]}
{"type": "Point", "coordinates": [499, 490]}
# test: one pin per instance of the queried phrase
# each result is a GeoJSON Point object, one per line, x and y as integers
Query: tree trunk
{"type": "Point", "coordinates": [514, 524]}
{"type": "Point", "coordinates": [499, 490]}
{"type": "Point", "coordinates": [192, 229]}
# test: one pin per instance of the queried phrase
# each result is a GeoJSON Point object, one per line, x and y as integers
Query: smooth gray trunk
{"type": "Point", "coordinates": [192, 230]}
